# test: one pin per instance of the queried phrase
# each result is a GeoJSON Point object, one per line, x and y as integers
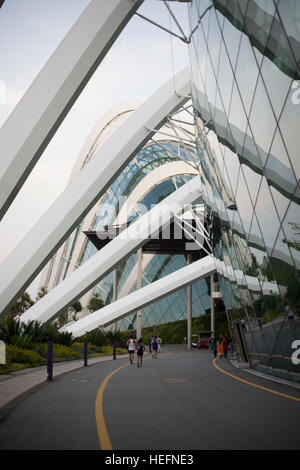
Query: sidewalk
{"type": "Point", "coordinates": [19, 385]}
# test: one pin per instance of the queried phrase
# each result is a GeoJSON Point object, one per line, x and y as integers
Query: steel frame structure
{"type": "Point", "coordinates": [103, 262]}
{"type": "Point", "coordinates": [43, 240]}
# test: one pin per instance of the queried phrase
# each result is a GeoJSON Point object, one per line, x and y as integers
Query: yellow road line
{"type": "Point", "coordinates": [280, 356]}
{"type": "Point", "coordinates": [255, 385]}
{"type": "Point", "coordinates": [104, 440]}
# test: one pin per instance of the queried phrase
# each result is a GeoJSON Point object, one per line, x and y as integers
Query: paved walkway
{"type": "Point", "coordinates": [179, 401]}
{"type": "Point", "coordinates": [16, 386]}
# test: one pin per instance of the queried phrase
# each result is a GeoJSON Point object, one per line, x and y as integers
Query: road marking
{"type": "Point", "coordinates": [104, 440]}
{"type": "Point", "coordinates": [174, 380]}
{"type": "Point", "coordinates": [255, 385]}
{"type": "Point", "coordinates": [280, 356]}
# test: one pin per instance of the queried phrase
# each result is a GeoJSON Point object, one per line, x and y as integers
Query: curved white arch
{"type": "Point", "coordinates": [105, 260]}
{"type": "Point", "coordinates": [155, 177]}
{"type": "Point", "coordinates": [25, 262]}
{"type": "Point", "coordinates": [102, 130]}
{"type": "Point", "coordinates": [143, 297]}
{"type": "Point", "coordinates": [139, 299]}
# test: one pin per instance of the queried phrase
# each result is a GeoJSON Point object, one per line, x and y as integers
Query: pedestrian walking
{"type": "Point", "coordinates": [140, 351]}
{"type": "Point", "coordinates": [220, 347]}
{"type": "Point", "coordinates": [150, 344]}
{"type": "Point", "coordinates": [214, 346]}
{"type": "Point", "coordinates": [159, 344]}
{"type": "Point", "coordinates": [154, 347]}
{"type": "Point", "coordinates": [131, 344]}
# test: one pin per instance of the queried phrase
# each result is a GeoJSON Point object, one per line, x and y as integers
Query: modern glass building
{"type": "Point", "coordinates": [245, 104]}
{"type": "Point", "coordinates": [158, 169]}
{"type": "Point", "coordinates": [245, 64]}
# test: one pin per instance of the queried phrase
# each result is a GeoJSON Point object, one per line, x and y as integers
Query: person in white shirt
{"type": "Point", "coordinates": [131, 345]}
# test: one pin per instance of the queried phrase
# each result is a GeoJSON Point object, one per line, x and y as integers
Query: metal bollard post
{"type": "Point", "coordinates": [50, 362]}
{"type": "Point", "coordinates": [85, 353]}
{"type": "Point", "coordinates": [114, 350]}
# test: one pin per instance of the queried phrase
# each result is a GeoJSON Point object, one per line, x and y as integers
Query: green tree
{"type": "Point", "coordinates": [41, 293]}
{"type": "Point", "coordinates": [95, 303]}
{"type": "Point", "coordinates": [294, 243]}
{"type": "Point", "coordinates": [22, 304]}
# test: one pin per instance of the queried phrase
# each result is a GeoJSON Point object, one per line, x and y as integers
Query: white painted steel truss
{"type": "Point", "coordinates": [143, 297]}
{"type": "Point", "coordinates": [108, 258]}
{"type": "Point", "coordinates": [154, 291]}
{"type": "Point", "coordinates": [43, 240]}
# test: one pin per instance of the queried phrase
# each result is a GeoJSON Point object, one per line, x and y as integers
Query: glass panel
{"type": "Point", "coordinates": [267, 216]}
{"type": "Point", "coordinates": [278, 168]}
{"type": "Point", "coordinates": [277, 84]}
{"type": "Point", "coordinates": [289, 11]}
{"type": "Point", "coordinates": [289, 126]}
{"type": "Point", "coordinates": [225, 86]}
{"type": "Point", "coordinates": [232, 37]}
{"type": "Point", "coordinates": [262, 121]}
{"type": "Point", "coordinates": [246, 72]}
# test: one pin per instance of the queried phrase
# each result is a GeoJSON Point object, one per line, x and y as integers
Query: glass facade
{"type": "Point", "coordinates": [245, 64]}
{"type": "Point", "coordinates": [173, 307]}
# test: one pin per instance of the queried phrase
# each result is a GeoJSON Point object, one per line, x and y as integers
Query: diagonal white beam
{"type": "Point", "coordinates": [144, 296]}
{"type": "Point", "coordinates": [44, 106]}
{"type": "Point", "coordinates": [33, 252]}
{"type": "Point", "coordinates": [104, 261]}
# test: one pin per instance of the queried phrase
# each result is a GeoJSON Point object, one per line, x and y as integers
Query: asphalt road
{"type": "Point", "coordinates": [179, 401]}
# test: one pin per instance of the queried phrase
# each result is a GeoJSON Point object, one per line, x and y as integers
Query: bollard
{"type": "Point", "coordinates": [50, 362]}
{"type": "Point", "coordinates": [114, 350]}
{"type": "Point", "coordinates": [85, 353]}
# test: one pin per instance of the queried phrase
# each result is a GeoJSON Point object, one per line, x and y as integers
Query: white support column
{"type": "Point", "coordinates": [31, 126]}
{"type": "Point", "coordinates": [110, 256]}
{"type": "Point", "coordinates": [143, 297]}
{"type": "Point", "coordinates": [42, 241]}
{"type": "Point", "coordinates": [189, 308]}
{"type": "Point", "coordinates": [139, 286]}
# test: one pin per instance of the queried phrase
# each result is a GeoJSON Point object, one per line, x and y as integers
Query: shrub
{"type": "Point", "coordinates": [64, 352]}
{"type": "Point", "coordinates": [270, 315]}
{"type": "Point", "coordinates": [23, 342]}
{"type": "Point", "coordinates": [9, 327]}
{"type": "Point", "coordinates": [23, 356]}
{"type": "Point", "coordinates": [107, 350]}
{"type": "Point", "coordinates": [64, 339]}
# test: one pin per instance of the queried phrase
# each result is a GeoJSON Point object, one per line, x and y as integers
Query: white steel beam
{"type": "Point", "coordinates": [143, 297]}
{"type": "Point", "coordinates": [42, 241]}
{"type": "Point", "coordinates": [32, 124]}
{"type": "Point", "coordinates": [109, 257]}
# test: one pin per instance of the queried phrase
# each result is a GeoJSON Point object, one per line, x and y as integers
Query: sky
{"type": "Point", "coordinates": [141, 60]}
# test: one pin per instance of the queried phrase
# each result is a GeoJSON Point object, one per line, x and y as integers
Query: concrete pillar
{"type": "Point", "coordinates": [212, 306]}
{"type": "Point", "coordinates": [189, 309]}
{"type": "Point", "coordinates": [139, 286]}
{"type": "Point", "coordinates": [115, 294]}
